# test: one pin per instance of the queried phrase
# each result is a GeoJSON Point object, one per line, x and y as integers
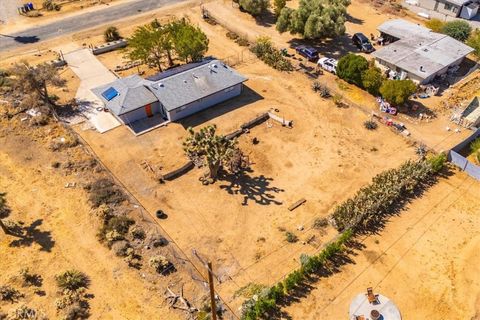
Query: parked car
{"type": "Point", "coordinates": [328, 64]}
{"type": "Point", "coordinates": [308, 52]}
{"type": "Point", "coordinates": [362, 42]}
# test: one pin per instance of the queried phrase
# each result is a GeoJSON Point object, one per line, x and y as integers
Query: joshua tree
{"type": "Point", "coordinates": [4, 212]}
{"type": "Point", "coordinates": [214, 150]}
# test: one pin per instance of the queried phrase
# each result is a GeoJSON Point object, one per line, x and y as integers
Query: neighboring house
{"type": "Point", "coordinates": [416, 52]}
{"type": "Point", "coordinates": [173, 94]}
{"type": "Point", "coordinates": [470, 116]}
{"type": "Point", "coordinates": [465, 9]}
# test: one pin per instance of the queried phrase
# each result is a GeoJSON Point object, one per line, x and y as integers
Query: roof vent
{"type": "Point", "coordinates": [184, 81]}
{"type": "Point", "coordinates": [214, 65]}
{"type": "Point", "coordinates": [426, 49]}
{"type": "Point", "coordinates": [194, 75]}
{"type": "Point", "coordinates": [160, 85]}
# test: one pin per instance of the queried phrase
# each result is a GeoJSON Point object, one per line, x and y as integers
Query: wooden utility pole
{"type": "Point", "coordinates": [212, 291]}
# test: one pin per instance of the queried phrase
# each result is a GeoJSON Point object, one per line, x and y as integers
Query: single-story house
{"type": "Point", "coordinates": [465, 9]}
{"type": "Point", "coordinates": [418, 53]}
{"type": "Point", "coordinates": [173, 94]}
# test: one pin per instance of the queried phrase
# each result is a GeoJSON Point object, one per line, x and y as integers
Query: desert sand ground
{"type": "Point", "coordinates": [325, 158]}
{"type": "Point", "coordinates": [62, 236]}
{"type": "Point", "coordinates": [425, 260]}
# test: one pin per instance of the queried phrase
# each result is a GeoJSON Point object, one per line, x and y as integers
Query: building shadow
{"type": "Point", "coordinates": [257, 189]}
{"type": "Point", "coordinates": [248, 96]}
{"type": "Point", "coordinates": [31, 234]}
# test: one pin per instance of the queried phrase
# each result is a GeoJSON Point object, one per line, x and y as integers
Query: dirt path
{"type": "Point", "coordinates": [64, 238]}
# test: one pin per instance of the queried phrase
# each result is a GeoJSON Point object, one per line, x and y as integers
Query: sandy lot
{"type": "Point", "coordinates": [63, 236]}
{"type": "Point", "coordinates": [425, 261]}
{"type": "Point", "coordinates": [239, 222]}
{"type": "Point", "coordinates": [236, 221]}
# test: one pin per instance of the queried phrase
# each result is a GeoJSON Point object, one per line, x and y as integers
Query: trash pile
{"type": "Point", "coordinates": [386, 107]}
{"type": "Point", "coordinates": [389, 122]}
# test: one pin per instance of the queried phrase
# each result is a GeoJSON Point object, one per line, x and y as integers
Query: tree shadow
{"type": "Point", "coordinates": [255, 189]}
{"type": "Point", "coordinates": [23, 39]}
{"type": "Point", "coordinates": [266, 19]}
{"type": "Point", "coordinates": [331, 48]}
{"type": "Point", "coordinates": [31, 234]}
{"type": "Point", "coordinates": [354, 20]}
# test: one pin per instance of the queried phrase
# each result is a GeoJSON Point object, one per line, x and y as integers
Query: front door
{"type": "Point", "coordinates": [148, 110]}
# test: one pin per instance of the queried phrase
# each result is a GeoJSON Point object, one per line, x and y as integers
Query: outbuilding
{"type": "Point", "coordinates": [173, 94]}
{"type": "Point", "coordinates": [418, 53]}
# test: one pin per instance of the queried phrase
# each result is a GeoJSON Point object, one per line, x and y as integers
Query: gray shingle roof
{"type": "Point", "coordinates": [133, 94]}
{"type": "Point", "coordinates": [420, 47]}
{"type": "Point", "coordinates": [185, 87]}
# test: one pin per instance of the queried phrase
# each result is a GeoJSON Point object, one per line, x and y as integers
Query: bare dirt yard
{"type": "Point", "coordinates": [61, 235]}
{"type": "Point", "coordinates": [240, 221]}
{"type": "Point", "coordinates": [425, 260]}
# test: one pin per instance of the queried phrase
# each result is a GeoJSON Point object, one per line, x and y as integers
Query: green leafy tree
{"type": "Point", "coordinates": [474, 42]}
{"type": "Point", "coordinates": [215, 150]}
{"type": "Point", "coordinates": [350, 68]}
{"type": "Point", "coordinates": [315, 19]}
{"type": "Point", "coordinates": [4, 212]}
{"type": "Point", "coordinates": [278, 5]}
{"type": "Point", "coordinates": [457, 29]}
{"type": "Point", "coordinates": [111, 34]}
{"type": "Point", "coordinates": [254, 7]}
{"type": "Point", "coordinates": [435, 25]}
{"type": "Point", "coordinates": [372, 80]}
{"type": "Point", "coordinates": [397, 91]}
{"type": "Point", "coordinates": [189, 41]}
{"type": "Point", "coordinates": [149, 45]}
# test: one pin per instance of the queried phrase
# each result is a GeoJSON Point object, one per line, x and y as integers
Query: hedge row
{"type": "Point", "coordinates": [387, 191]}
{"type": "Point", "coordinates": [265, 303]}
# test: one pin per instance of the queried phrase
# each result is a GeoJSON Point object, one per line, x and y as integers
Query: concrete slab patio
{"type": "Point", "coordinates": [92, 73]}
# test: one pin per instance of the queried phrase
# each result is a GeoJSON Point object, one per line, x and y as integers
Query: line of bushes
{"type": "Point", "coordinates": [263, 48]}
{"type": "Point", "coordinates": [265, 303]}
{"type": "Point", "coordinates": [387, 192]}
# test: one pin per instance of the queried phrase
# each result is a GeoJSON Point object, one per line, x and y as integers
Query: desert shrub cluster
{"type": "Point", "coordinates": [263, 48]}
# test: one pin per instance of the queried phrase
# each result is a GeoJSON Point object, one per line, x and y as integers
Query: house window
{"type": "Point", "coordinates": [450, 7]}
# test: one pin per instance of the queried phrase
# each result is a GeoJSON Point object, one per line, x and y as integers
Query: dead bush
{"type": "Point", "coordinates": [9, 293]}
{"type": "Point", "coordinates": [160, 264]}
{"type": "Point", "coordinates": [69, 140]}
{"type": "Point", "coordinates": [115, 229]}
{"type": "Point", "coordinates": [104, 191]}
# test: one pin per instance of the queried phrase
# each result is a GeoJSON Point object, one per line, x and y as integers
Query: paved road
{"type": "Point", "coordinates": [79, 22]}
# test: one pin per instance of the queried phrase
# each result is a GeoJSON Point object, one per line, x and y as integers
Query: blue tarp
{"type": "Point", "coordinates": [110, 93]}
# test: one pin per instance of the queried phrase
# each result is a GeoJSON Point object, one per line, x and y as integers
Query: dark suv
{"type": "Point", "coordinates": [308, 52]}
{"type": "Point", "coordinates": [362, 42]}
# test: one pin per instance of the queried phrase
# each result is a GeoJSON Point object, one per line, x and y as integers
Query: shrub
{"type": "Point", "coordinates": [437, 162]}
{"type": "Point", "coordinates": [104, 191]}
{"type": "Point", "coordinates": [435, 24]}
{"type": "Point", "coordinates": [160, 263]}
{"type": "Point", "coordinates": [350, 68]}
{"type": "Point", "coordinates": [370, 124]}
{"type": "Point", "coordinates": [397, 92]}
{"type": "Point", "coordinates": [50, 5]}
{"type": "Point", "coordinates": [115, 228]}
{"type": "Point", "coordinates": [372, 80]}
{"type": "Point", "coordinates": [472, 41]}
{"type": "Point", "coordinates": [316, 86]}
{"type": "Point", "coordinates": [138, 233]}
{"type": "Point", "coordinates": [320, 223]}
{"type": "Point", "coordinates": [30, 279]}
{"type": "Point", "coordinates": [72, 280]}
{"type": "Point", "coordinates": [265, 51]}
{"type": "Point", "coordinates": [291, 237]}
{"type": "Point", "coordinates": [9, 293]}
{"type": "Point", "coordinates": [111, 34]}
{"type": "Point", "coordinates": [254, 7]}
{"type": "Point", "coordinates": [457, 29]}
